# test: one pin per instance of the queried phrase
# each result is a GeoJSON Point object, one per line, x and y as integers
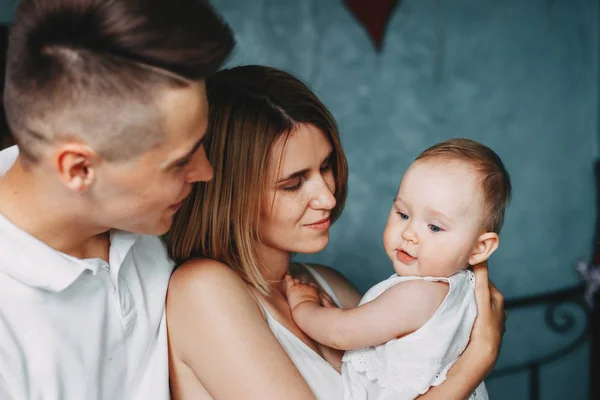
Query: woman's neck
{"type": "Point", "coordinates": [277, 264]}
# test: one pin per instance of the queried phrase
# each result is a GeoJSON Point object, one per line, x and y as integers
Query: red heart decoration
{"type": "Point", "coordinates": [374, 16]}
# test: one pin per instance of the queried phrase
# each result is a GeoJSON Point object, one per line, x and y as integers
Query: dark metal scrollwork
{"type": "Point", "coordinates": [558, 320]}
{"type": "Point", "coordinates": [560, 317]}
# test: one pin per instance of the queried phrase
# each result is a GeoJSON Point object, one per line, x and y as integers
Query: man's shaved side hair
{"type": "Point", "coordinates": [92, 70]}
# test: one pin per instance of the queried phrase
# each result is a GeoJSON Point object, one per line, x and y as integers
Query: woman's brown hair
{"type": "Point", "coordinates": [250, 108]}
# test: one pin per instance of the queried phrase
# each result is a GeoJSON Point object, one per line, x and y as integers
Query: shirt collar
{"type": "Point", "coordinates": [34, 263]}
{"type": "Point", "coordinates": [8, 157]}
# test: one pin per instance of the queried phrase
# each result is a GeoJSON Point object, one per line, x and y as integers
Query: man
{"type": "Point", "coordinates": [106, 102]}
{"type": "Point", "coordinates": [5, 137]}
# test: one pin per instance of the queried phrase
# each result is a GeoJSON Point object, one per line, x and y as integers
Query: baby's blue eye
{"type": "Point", "coordinates": [435, 229]}
{"type": "Point", "coordinates": [402, 215]}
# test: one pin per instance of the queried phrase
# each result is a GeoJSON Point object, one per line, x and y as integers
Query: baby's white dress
{"type": "Point", "coordinates": [407, 367]}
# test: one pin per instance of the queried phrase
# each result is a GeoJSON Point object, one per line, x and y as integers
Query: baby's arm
{"type": "Point", "coordinates": [400, 310]}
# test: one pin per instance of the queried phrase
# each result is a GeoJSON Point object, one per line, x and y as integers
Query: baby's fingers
{"type": "Point", "coordinates": [288, 283]}
{"type": "Point", "coordinates": [326, 300]}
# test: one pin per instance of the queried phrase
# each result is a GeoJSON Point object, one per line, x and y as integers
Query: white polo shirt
{"type": "Point", "coordinates": [74, 329]}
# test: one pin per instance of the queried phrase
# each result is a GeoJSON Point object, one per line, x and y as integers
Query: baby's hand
{"type": "Point", "coordinates": [298, 292]}
{"type": "Point", "coordinates": [326, 300]}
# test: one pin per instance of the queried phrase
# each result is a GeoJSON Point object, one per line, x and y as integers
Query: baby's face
{"type": "Point", "coordinates": [435, 220]}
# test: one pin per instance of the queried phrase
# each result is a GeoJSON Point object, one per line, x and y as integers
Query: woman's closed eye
{"type": "Point", "coordinates": [182, 163]}
{"type": "Point", "coordinates": [294, 185]}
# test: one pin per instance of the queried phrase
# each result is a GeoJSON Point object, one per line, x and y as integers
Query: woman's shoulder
{"type": "Point", "coordinates": [211, 293]}
{"type": "Point", "coordinates": [204, 278]}
{"type": "Point", "coordinates": [203, 271]}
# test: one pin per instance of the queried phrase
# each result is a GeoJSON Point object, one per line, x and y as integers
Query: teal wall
{"type": "Point", "coordinates": [7, 10]}
{"type": "Point", "coordinates": [519, 76]}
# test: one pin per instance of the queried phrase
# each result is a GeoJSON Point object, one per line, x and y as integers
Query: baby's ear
{"type": "Point", "coordinates": [486, 244]}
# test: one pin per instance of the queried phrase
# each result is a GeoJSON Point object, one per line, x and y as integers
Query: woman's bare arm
{"type": "Point", "coordinates": [480, 355]}
{"type": "Point", "coordinates": [217, 329]}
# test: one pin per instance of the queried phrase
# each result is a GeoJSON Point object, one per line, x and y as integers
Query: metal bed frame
{"type": "Point", "coordinates": [560, 317]}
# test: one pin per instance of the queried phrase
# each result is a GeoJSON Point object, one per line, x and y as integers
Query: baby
{"type": "Point", "coordinates": [409, 329]}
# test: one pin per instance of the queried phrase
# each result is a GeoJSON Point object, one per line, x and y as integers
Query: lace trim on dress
{"type": "Point", "coordinates": [398, 377]}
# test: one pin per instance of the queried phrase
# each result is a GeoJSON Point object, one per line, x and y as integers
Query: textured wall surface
{"type": "Point", "coordinates": [519, 76]}
{"type": "Point", "coordinates": [7, 10]}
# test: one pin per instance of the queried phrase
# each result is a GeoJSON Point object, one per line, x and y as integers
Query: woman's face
{"type": "Point", "coordinates": [300, 195]}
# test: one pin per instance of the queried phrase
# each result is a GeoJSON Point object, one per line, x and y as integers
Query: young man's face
{"type": "Point", "coordinates": [143, 195]}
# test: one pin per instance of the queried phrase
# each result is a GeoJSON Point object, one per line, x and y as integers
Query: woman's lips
{"type": "Point", "coordinates": [320, 225]}
{"type": "Point", "coordinates": [404, 257]}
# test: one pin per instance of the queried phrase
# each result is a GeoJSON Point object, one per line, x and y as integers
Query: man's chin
{"type": "Point", "coordinates": [162, 229]}
{"type": "Point", "coordinates": [157, 229]}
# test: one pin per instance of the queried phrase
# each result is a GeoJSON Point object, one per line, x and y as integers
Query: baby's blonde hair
{"type": "Point", "coordinates": [493, 176]}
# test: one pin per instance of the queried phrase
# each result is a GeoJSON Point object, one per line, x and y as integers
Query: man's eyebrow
{"type": "Point", "coordinates": [187, 155]}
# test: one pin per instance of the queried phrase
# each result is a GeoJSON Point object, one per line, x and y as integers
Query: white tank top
{"type": "Point", "coordinates": [324, 381]}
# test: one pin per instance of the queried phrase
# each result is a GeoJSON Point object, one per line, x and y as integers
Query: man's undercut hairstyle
{"type": "Point", "coordinates": [493, 177]}
{"type": "Point", "coordinates": [91, 70]}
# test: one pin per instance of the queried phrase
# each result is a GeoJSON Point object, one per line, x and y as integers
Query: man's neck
{"type": "Point", "coordinates": [31, 206]}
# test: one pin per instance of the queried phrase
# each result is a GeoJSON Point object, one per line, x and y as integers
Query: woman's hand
{"type": "Point", "coordinates": [489, 327]}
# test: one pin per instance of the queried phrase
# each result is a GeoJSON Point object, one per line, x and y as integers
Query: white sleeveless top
{"type": "Point", "coordinates": [405, 368]}
{"type": "Point", "coordinates": [324, 381]}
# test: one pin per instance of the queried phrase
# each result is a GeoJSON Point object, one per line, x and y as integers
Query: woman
{"type": "Point", "coordinates": [280, 181]}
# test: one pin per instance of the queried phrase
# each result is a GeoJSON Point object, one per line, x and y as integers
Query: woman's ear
{"type": "Point", "coordinates": [486, 244]}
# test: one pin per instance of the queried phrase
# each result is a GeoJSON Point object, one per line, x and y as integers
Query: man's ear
{"type": "Point", "coordinates": [76, 164]}
{"type": "Point", "coordinates": [486, 244]}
